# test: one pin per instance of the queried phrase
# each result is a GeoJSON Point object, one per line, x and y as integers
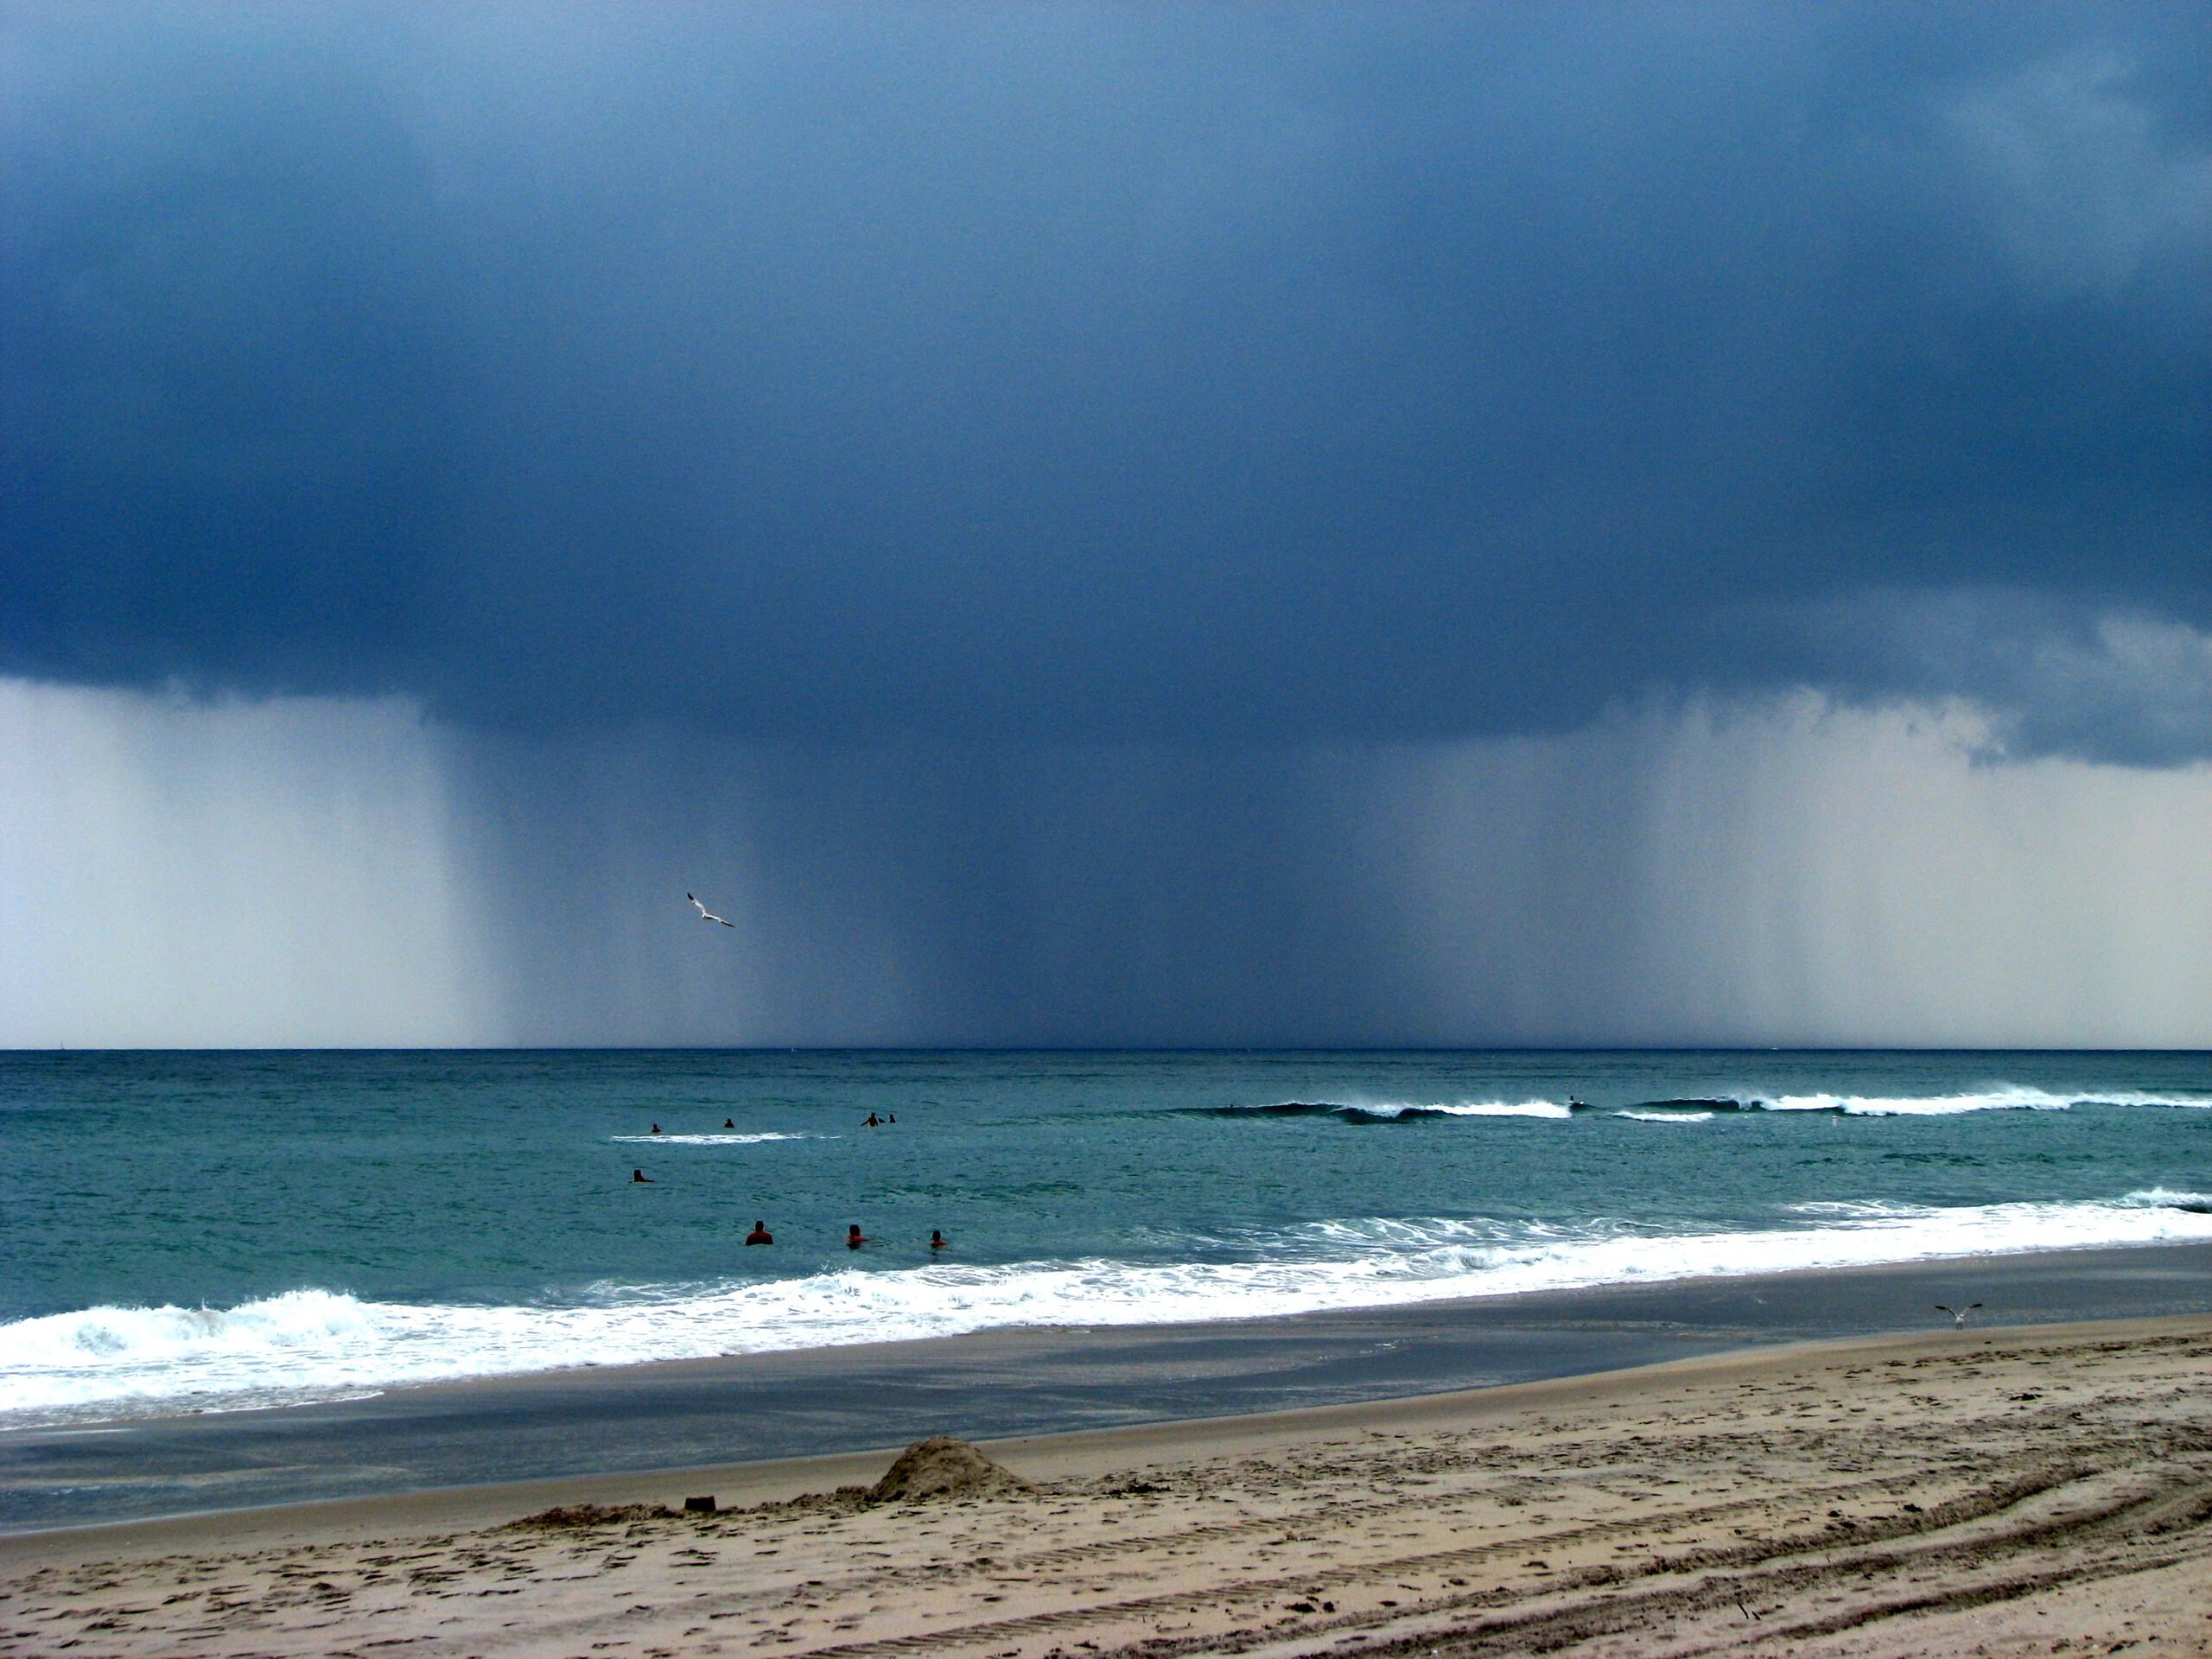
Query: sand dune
{"type": "Point", "coordinates": [2037, 1490]}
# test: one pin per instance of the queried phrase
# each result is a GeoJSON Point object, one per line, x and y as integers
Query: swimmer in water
{"type": "Point", "coordinates": [853, 1239]}
{"type": "Point", "coordinates": [759, 1234]}
{"type": "Point", "coordinates": [938, 1241]}
{"type": "Point", "coordinates": [893, 1118]}
{"type": "Point", "coordinates": [638, 1178]}
{"type": "Point", "coordinates": [656, 1128]}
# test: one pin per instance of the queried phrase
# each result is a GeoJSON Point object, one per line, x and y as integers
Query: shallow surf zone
{"type": "Point", "coordinates": [312, 1345]}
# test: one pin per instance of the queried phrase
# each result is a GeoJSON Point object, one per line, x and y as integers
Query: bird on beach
{"type": "Point", "coordinates": [1958, 1314]}
{"type": "Point", "coordinates": [706, 915]}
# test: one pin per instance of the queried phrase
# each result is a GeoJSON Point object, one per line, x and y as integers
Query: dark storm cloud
{"type": "Point", "coordinates": [1088, 373]}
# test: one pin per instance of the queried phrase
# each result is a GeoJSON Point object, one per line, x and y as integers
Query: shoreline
{"type": "Point", "coordinates": [1988, 1493]}
{"type": "Point", "coordinates": [1014, 1384]}
{"type": "Point", "coordinates": [1063, 1454]}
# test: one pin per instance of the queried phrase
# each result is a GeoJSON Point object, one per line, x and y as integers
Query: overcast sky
{"type": "Point", "coordinates": [1090, 524]}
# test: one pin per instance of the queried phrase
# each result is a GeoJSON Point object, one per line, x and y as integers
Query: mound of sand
{"type": "Point", "coordinates": [943, 1467]}
{"type": "Point", "coordinates": [577, 1516]}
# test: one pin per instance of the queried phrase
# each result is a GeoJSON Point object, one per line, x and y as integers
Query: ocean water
{"type": "Point", "coordinates": [194, 1232]}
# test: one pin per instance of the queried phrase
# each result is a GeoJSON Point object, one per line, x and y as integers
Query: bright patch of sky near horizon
{"type": "Point", "coordinates": [235, 876]}
{"type": "Point", "coordinates": [337, 872]}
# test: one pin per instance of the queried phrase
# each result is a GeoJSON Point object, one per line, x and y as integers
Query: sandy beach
{"type": "Point", "coordinates": [561, 1426]}
{"type": "Point", "coordinates": [2042, 1488]}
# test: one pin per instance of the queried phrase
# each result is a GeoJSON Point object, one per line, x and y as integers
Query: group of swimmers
{"type": "Point", "coordinates": [871, 1122]}
{"type": "Point", "coordinates": [854, 1239]}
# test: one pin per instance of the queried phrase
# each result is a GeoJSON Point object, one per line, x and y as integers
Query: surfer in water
{"type": "Point", "coordinates": [873, 1121]}
{"type": "Point", "coordinates": [730, 1123]}
{"type": "Point", "coordinates": [937, 1240]}
{"type": "Point", "coordinates": [853, 1239]}
{"type": "Point", "coordinates": [759, 1234]}
{"type": "Point", "coordinates": [639, 1178]}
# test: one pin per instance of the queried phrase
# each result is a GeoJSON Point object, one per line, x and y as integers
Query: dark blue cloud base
{"type": "Point", "coordinates": [1082, 374]}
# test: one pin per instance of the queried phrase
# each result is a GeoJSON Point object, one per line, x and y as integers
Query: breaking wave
{"type": "Point", "coordinates": [1390, 1111]}
{"type": "Point", "coordinates": [725, 1138]}
{"type": "Point", "coordinates": [1996, 1098]}
{"type": "Point", "coordinates": [320, 1344]}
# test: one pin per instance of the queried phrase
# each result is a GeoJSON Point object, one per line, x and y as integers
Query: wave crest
{"type": "Point", "coordinates": [1997, 1097]}
{"type": "Point", "coordinates": [723, 1139]}
{"type": "Point", "coordinates": [1389, 1111]}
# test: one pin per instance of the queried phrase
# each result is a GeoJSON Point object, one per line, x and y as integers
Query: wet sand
{"type": "Point", "coordinates": [1003, 1383]}
{"type": "Point", "coordinates": [2030, 1490]}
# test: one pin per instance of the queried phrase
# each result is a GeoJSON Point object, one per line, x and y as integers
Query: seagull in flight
{"type": "Point", "coordinates": [706, 915]}
{"type": "Point", "coordinates": [1958, 1314]}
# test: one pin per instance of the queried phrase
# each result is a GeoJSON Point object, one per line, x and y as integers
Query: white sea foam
{"type": "Point", "coordinates": [724, 1139]}
{"type": "Point", "coordinates": [1485, 1109]}
{"type": "Point", "coordinates": [2159, 1198]}
{"type": "Point", "coordinates": [1395, 1108]}
{"type": "Point", "coordinates": [1997, 1097]}
{"type": "Point", "coordinates": [106, 1361]}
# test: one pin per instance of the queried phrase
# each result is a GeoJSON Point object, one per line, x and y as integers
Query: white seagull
{"type": "Point", "coordinates": [706, 915]}
{"type": "Point", "coordinates": [1958, 1314]}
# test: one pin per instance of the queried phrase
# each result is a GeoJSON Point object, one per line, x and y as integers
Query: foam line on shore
{"type": "Point", "coordinates": [315, 1343]}
{"type": "Point", "coordinates": [1058, 1453]}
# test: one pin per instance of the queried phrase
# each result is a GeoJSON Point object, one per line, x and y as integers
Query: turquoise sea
{"type": "Point", "coordinates": [187, 1231]}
